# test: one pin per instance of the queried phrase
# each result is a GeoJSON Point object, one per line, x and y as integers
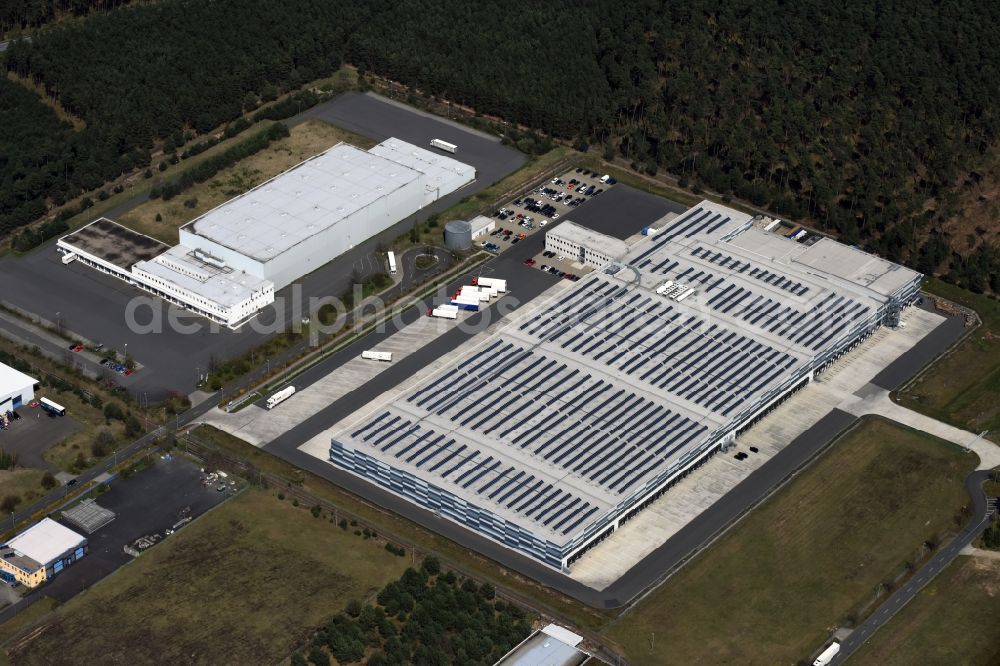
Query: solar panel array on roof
{"type": "Point", "coordinates": [583, 406]}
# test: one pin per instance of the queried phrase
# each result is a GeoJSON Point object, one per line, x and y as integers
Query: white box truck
{"type": "Point", "coordinates": [280, 397]}
{"type": "Point", "coordinates": [827, 655]}
{"type": "Point", "coordinates": [444, 145]}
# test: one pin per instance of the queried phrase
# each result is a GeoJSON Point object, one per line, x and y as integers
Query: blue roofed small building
{"type": "Point", "coordinates": [40, 552]}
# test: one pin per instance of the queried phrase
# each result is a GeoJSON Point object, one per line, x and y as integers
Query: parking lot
{"type": "Point", "coordinates": [31, 435]}
{"type": "Point", "coordinates": [95, 306]}
{"type": "Point", "coordinates": [148, 502]}
{"type": "Point", "coordinates": [622, 211]}
{"type": "Point", "coordinates": [531, 213]}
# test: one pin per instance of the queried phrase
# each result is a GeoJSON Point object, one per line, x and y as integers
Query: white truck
{"type": "Point", "coordinates": [391, 256]}
{"type": "Point", "coordinates": [827, 655]}
{"type": "Point", "coordinates": [450, 313]}
{"type": "Point", "coordinates": [501, 285]}
{"type": "Point", "coordinates": [444, 145]}
{"type": "Point", "coordinates": [69, 257]}
{"type": "Point", "coordinates": [280, 397]}
{"type": "Point", "coordinates": [373, 355]}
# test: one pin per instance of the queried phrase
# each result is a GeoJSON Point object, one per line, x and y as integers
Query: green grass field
{"type": "Point", "coordinates": [963, 387]}
{"type": "Point", "coordinates": [954, 620]}
{"type": "Point", "coordinates": [244, 584]}
{"type": "Point", "coordinates": [574, 611]}
{"type": "Point", "coordinates": [809, 558]}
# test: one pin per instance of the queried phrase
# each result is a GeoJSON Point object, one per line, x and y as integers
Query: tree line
{"type": "Point", "coordinates": [25, 14]}
{"type": "Point", "coordinates": [863, 118]}
{"type": "Point", "coordinates": [426, 617]}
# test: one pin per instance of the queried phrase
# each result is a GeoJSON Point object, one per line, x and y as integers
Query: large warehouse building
{"type": "Point", "coordinates": [231, 260]}
{"type": "Point", "coordinates": [16, 388]}
{"type": "Point", "coordinates": [40, 552]}
{"type": "Point", "coordinates": [567, 421]}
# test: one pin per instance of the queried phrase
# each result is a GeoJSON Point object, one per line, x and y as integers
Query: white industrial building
{"type": "Point", "coordinates": [584, 245]}
{"type": "Point", "coordinates": [40, 552]}
{"type": "Point", "coordinates": [16, 388]}
{"type": "Point", "coordinates": [231, 260]}
{"type": "Point", "coordinates": [569, 419]}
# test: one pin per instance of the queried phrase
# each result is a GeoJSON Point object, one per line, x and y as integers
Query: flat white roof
{"type": "Point", "coordinates": [12, 381]}
{"type": "Point", "coordinates": [296, 205]}
{"type": "Point", "coordinates": [225, 287]}
{"type": "Point", "coordinates": [444, 174]}
{"type": "Point", "coordinates": [547, 647]}
{"type": "Point", "coordinates": [563, 634]}
{"type": "Point", "coordinates": [45, 541]}
{"type": "Point", "coordinates": [590, 239]}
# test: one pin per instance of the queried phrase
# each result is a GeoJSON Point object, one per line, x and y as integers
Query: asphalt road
{"type": "Point", "coordinates": [94, 305]}
{"type": "Point", "coordinates": [921, 354]}
{"type": "Point", "coordinates": [941, 559]}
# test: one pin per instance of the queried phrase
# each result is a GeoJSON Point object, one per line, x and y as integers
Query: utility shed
{"type": "Point", "coordinates": [16, 388]}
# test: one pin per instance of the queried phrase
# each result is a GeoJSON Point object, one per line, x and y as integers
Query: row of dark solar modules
{"type": "Point", "coordinates": [694, 221]}
{"type": "Point", "coordinates": [716, 368]}
{"type": "Point", "coordinates": [611, 445]}
{"type": "Point", "coordinates": [738, 266]}
{"type": "Point", "coordinates": [514, 488]}
{"type": "Point", "coordinates": [831, 316]}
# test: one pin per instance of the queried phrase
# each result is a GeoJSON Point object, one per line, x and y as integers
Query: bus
{"type": "Point", "coordinates": [444, 145]}
{"type": "Point", "coordinates": [52, 407]}
{"type": "Point", "coordinates": [392, 262]}
{"type": "Point", "coordinates": [373, 355]}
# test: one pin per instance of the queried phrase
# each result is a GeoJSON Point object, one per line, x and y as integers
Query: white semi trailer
{"type": "Point", "coordinates": [501, 285]}
{"type": "Point", "coordinates": [444, 145]}
{"type": "Point", "coordinates": [827, 655]}
{"type": "Point", "coordinates": [280, 397]}
{"type": "Point", "coordinates": [450, 313]}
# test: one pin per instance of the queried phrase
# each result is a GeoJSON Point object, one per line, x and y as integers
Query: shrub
{"type": "Point", "coordinates": [113, 410]}
{"type": "Point", "coordinates": [10, 503]}
{"type": "Point", "coordinates": [432, 566]}
{"type": "Point", "coordinates": [48, 481]}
